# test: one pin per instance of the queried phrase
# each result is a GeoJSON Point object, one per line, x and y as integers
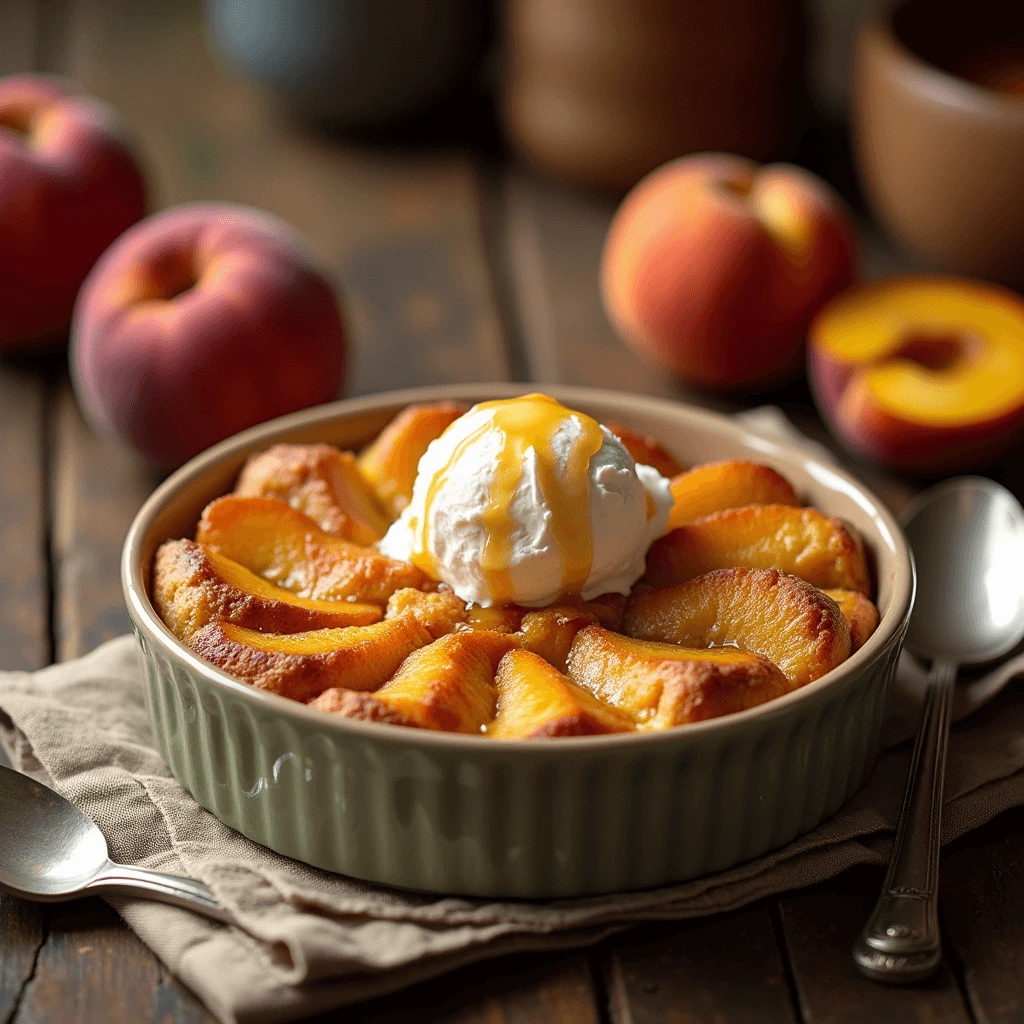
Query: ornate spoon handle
{"type": "Point", "coordinates": [901, 943]}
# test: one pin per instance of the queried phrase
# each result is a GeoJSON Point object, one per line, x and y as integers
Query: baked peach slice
{"type": "Point", "coordinates": [720, 485]}
{"type": "Point", "coordinates": [193, 585]}
{"type": "Point", "coordinates": [648, 451]}
{"type": "Point", "coordinates": [321, 481]}
{"type": "Point", "coordinates": [389, 463]}
{"type": "Point", "coordinates": [550, 632]}
{"type": "Point", "coordinates": [800, 541]}
{"type": "Point", "coordinates": [537, 701]}
{"type": "Point", "coordinates": [285, 546]}
{"type": "Point", "coordinates": [302, 665]}
{"type": "Point", "coordinates": [791, 623]}
{"type": "Point", "coordinates": [506, 618]}
{"type": "Point", "coordinates": [607, 609]}
{"type": "Point", "coordinates": [663, 685]}
{"type": "Point", "coordinates": [447, 685]}
{"type": "Point", "coordinates": [861, 615]}
{"type": "Point", "coordinates": [439, 612]}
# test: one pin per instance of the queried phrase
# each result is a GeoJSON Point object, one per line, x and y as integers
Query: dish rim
{"type": "Point", "coordinates": [147, 621]}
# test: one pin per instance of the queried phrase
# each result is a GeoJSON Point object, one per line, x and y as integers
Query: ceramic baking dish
{"type": "Point", "coordinates": [543, 818]}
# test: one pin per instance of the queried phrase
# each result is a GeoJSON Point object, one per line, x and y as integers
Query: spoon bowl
{"type": "Point", "coordinates": [50, 850]}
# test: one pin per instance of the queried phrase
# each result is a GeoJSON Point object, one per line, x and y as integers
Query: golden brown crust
{"type": "Point", "coordinates": [663, 685]}
{"type": "Point", "coordinates": [193, 586]}
{"type": "Point", "coordinates": [799, 541]}
{"type": "Point", "coordinates": [439, 613]}
{"type": "Point", "coordinates": [389, 463]}
{"type": "Point", "coordinates": [302, 665]}
{"type": "Point", "coordinates": [358, 704]}
{"type": "Point", "coordinates": [536, 701]}
{"type": "Point", "coordinates": [768, 612]}
{"type": "Point", "coordinates": [646, 450]}
{"type": "Point", "coordinates": [320, 481]}
{"type": "Point", "coordinates": [861, 615]}
{"type": "Point", "coordinates": [286, 547]}
{"type": "Point", "coordinates": [549, 632]}
{"type": "Point", "coordinates": [716, 486]}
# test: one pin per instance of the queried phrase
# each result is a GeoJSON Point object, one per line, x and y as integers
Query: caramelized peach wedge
{"type": "Point", "coordinates": [745, 596]}
{"type": "Point", "coordinates": [320, 481]}
{"type": "Point", "coordinates": [286, 547]}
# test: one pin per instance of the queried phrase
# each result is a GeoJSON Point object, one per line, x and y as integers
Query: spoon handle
{"type": "Point", "coordinates": [122, 880]}
{"type": "Point", "coordinates": [900, 943]}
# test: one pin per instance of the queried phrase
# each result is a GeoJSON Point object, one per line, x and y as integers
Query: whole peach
{"type": "Point", "coordinates": [68, 187]}
{"type": "Point", "coordinates": [200, 321]}
{"type": "Point", "coordinates": [715, 265]}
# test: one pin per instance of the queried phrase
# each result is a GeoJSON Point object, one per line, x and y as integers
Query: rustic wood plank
{"type": "Point", "coordinates": [982, 900]}
{"type": "Point", "coordinates": [526, 989]}
{"type": "Point", "coordinates": [97, 489]}
{"type": "Point", "coordinates": [87, 972]}
{"type": "Point", "coordinates": [820, 925]}
{"type": "Point", "coordinates": [726, 968]}
{"type": "Point", "coordinates": [22, 932]}
{"type": "Point", "coordinates": [400, 231]}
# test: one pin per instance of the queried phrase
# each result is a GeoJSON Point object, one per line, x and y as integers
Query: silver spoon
{"type": "Point", "coordinates": [968, 541]}
{"type": "Point", "coordinates": [50, 851]}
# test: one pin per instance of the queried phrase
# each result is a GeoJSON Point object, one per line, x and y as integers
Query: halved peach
{"type": "Point", "coordinates": [193, 585]}
{"type": "Point", "coordinates": [719, 485]}
{"type": "Point", "coordinates": [661, 685]}
{"type": "Point", "coordinates": [861, 615]}
{"type": "Point", "coordinates": [440, 612]}
{"type": "Point", "coordinates": [768, 612]}
{"type": "Point", "coordinates": [648, 451]}
{"type": "Point", "coordinates": [447, 685]}
{"type": "Point", "coordinates": [535, 701]}
{"type": "Point", "coordinates": [321, 481]}
{"type": "Point", "coordinates": [286, 547]}
{"type": "Point", "coordinates": [549, 632]}
{"type": "Point", "coordinates": [800, 541]}
{"type": "Point", "coordinates": [389, 463]}
{"type": "Point", "coordinates": [303, 665]}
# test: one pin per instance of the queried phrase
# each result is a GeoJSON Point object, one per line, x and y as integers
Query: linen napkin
{"type": "Point", "coordinates": [305, 940]}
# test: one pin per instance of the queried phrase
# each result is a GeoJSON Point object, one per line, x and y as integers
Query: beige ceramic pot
{"type": "Point", "coordinates": [562, 817]}
{"type": "Point", "coordinates": [939, 131]}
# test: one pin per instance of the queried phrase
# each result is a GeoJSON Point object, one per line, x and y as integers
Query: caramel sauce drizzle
{"type": "Point", "coordinates": [524, 423]}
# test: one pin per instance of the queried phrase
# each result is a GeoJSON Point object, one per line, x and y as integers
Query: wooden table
{"type": "Point", "coordinates": [455, 267]}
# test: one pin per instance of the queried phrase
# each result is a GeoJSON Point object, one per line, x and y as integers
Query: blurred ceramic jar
{"type": "Point", "coordinates": [939, 131]}
{"type": "Point", "coordinates": [352, 62]}
{"type": "Point", "coordinates": [603, 91]}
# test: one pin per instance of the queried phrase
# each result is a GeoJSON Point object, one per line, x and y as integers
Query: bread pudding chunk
{"type": "Point", "coordinates": [663, 685]}
{"type": "Point", "coordinates": [193, 586]}
{"type": "Point", "coordinates": [800, 629]}
{"type": "Point", "coordinates": [800, 541]}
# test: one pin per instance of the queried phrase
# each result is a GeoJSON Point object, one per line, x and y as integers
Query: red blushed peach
{"type": "Point", "coordinates": [924, 374]}
{"type": "Point", "coordinates": [68, 187]}
{"type": "Point", "coordinates": [201, 321]}
{"type": "Point", "coordinates": [714, 267]}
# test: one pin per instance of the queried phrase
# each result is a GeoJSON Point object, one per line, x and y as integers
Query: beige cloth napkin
{"type": "Point", "coordinates": [306, 940]}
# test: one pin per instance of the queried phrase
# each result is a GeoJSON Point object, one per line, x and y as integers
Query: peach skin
{"type": "Point", "coordinates": [720, 485]}
{"type": "Point", "coordinates": [796, 626]}
{"type": "Point", "coordinates": [923, 374]}
{"type": "Point", "coordinates": [69, 185]}
{"type": "Point", "coordinates": [800, 541]}
{"type": "Point", "coordinates": [714, 266]}
{"type": "Point", "coordinates": [200, 321]}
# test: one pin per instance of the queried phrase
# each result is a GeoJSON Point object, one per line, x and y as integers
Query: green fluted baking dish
{"type": "Point", "coordinates": [461, 814]}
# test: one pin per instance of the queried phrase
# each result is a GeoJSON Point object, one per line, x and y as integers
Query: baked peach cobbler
{"type": "Point", "coordinates": [515, 570]}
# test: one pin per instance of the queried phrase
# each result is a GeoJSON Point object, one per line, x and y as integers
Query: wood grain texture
{"type": "Point", "coordinates": [400, 231]}
{"type": "Point", "coordinates": [982, 900]}
{"type": "Point", "coordinates": [819, 926]}
{"type": "Point", "coordinates": [515, 990]}
{"type": "Point", "coordinates": [726, 968]}
{"type": "Point", "coordinates": [21, 936]}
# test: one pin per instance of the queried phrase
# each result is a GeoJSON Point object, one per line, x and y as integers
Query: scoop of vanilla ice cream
{"type": "Point", "coordinates": [628, 509]}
